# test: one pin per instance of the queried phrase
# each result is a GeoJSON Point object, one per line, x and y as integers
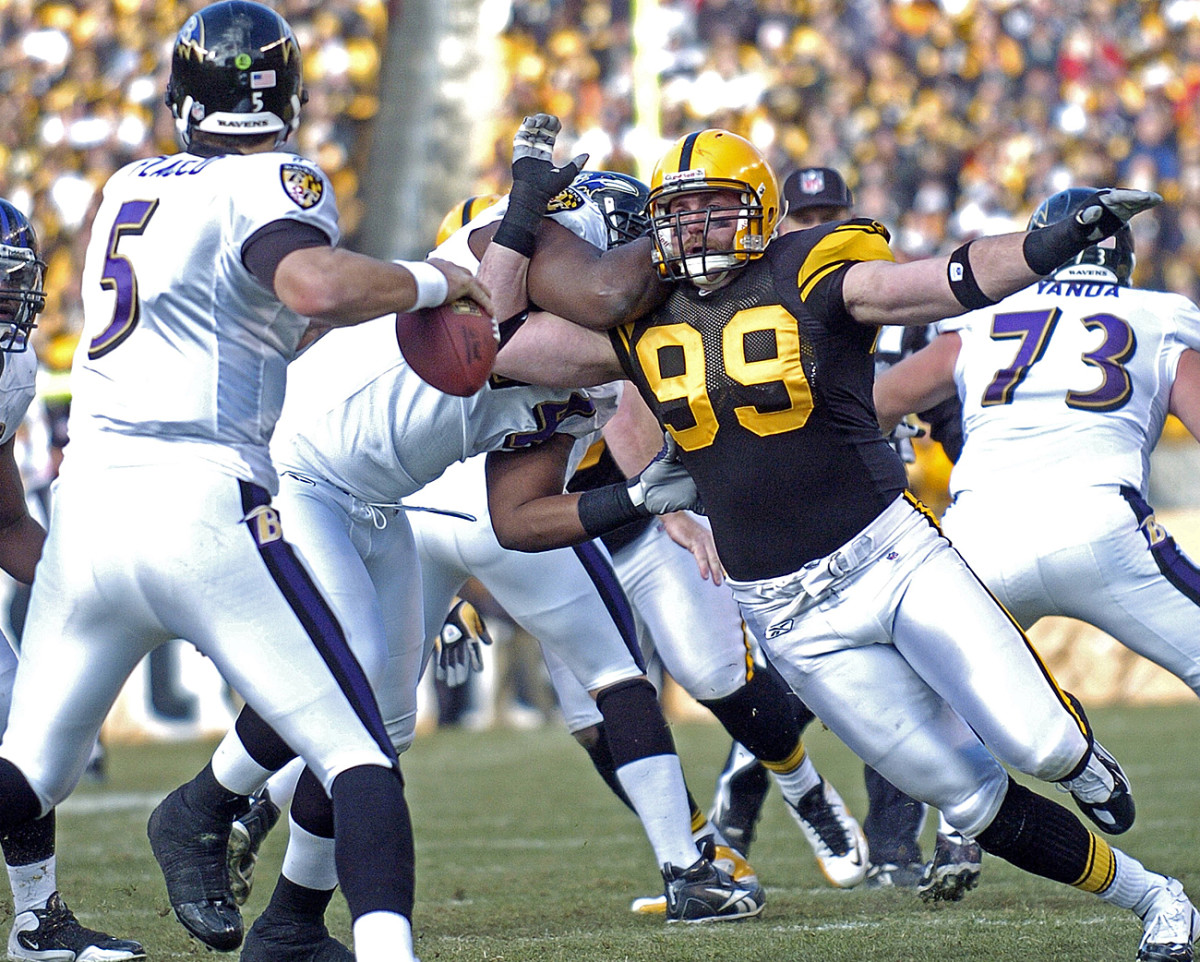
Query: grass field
{"type": "Point", "coordinates": [522, 854]}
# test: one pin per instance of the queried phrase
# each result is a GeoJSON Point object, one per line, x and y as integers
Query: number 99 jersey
{"type": "Point", "coordinates": [766, 384]}
{"type": "Point", "coordinates": [183, 351]}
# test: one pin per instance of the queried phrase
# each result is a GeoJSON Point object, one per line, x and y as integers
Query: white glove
{"type": "Point", "coordinates": [665, 485]}
{"type": "Point", "coordinates": [460, 645]}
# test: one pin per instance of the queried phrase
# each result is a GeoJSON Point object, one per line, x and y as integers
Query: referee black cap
{"type": "Point", "coordinates": [816, 187]}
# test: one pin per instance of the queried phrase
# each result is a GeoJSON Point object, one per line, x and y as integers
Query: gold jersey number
{"type": "Point", "coordinates": [691, 385]}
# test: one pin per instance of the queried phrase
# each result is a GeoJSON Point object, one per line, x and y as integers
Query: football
{"type": "Point", "coordinates": [451, 347]}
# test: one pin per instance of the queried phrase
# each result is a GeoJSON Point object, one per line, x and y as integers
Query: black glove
{"type": "Point", "coordinates": [460, 645]}
{"type": "Point", "coordinates": [1107, 211]}
{"type": "Point", "coordinates": [535, 181]}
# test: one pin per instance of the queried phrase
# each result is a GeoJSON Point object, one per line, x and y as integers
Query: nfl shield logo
{"type": "Point", "coordinates": [302, 185]}
{"type": "Point", "coordinates": [812, 182]}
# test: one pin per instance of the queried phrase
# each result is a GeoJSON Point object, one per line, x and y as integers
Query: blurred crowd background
{"type": "Point", "coordinates": [948, 119]}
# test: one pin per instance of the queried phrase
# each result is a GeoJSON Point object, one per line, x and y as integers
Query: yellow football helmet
{"type": "Point", "coordinates": [712, 160]}
{"type": "Point", "coordinates": [463, 212]}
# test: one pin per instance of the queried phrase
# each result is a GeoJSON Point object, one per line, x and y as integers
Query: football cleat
{"type": "Point", "coordinates": [191, 849]}
{"type": "Point", "coordinates": [890, 875]}
{"type": "Point", "coordinates": [246, 834]}
{"type": "Point", "coordinates": [1102, 793]}
{"type": "Point", "coordinates": [835, 836]}
{"type": "Point", "coordinates": [290, 939]}
{"type": "Point", "coordinates": [1170, 926]}
{"type": "Point", "coordinates": [954, 869]}
{"type": "Point", "coordinates": [741, 790]}
{"type": "Point", "coordinates": [725, 858]}
{"type": "Point", "coordinates": [53, 934]}
{"type": "Point", "coordinates": [705, 893]}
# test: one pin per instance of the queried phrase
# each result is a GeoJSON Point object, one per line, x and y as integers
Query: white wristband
{"type": "Point", "coordinates": [432, 286]}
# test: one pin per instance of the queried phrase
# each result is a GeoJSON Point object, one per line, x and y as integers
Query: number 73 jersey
{"type": "Point", "coordinates": [766, 385]}
{"type": "Point", "coordinates": [1067, 384]}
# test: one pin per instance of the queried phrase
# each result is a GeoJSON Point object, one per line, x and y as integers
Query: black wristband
{"type": "Point", "coordinates": [518, 228]}
{"type": "Point", "coordinates": [1048, 248]}
{"type": "Point", "coordinates": [962, 280]}
{"type": "Point", "coordinates": [605, 509]}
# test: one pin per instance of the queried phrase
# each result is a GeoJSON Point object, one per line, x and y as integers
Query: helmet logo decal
{"type": "Point", "coordinates": [242, 61]}
{"type": "Point", "coordinates": [303, 186]}
{"type": "Point", "coordinates": [682, 176]}
{"type": "Point", "coordinates": [568, 199]}
{"type": "Point", "coordinates": [262, 79]}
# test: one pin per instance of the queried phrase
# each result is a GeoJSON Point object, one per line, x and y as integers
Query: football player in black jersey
{"type": "Point", "coordinates": [815, 196]}
{"type": "Point", "coordinates": [755, 354]}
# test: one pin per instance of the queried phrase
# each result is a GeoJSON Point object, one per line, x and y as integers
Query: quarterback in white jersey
{"type": "Point", "coordinates": [1065, 387]}
{"type": "Point", "coordinates": [42, 926]}
{"type": "Point", "coordinates": [203, 273]}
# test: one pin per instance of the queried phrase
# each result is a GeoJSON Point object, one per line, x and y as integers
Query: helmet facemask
{"type": "Point", "coordinates": [684, 246]}
{"type": "Point", "coordinates": [22, 296]}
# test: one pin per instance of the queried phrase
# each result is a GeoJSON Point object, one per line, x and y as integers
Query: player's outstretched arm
{"type": "Point", "coordinates": [983, 271]}
{"type": "Point", "coordinates": [917, 383]}
{"type": "Point", "coordinates": [338, 287]}
{"type": "Point", "coordinates": [530, 512]}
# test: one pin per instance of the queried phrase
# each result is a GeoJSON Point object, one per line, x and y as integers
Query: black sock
{"type": "Point", "coordinates": [29, 842]}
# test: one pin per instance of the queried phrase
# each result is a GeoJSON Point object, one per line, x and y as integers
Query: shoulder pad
{"type": "Point", "coordinates": [843, 243]}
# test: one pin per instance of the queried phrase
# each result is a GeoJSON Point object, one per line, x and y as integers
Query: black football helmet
{"type": "Point", "coordinates": [236, 70]}
{"type": "Point", "coordinates": [1114, 263]}
{"type": "Point", "coordinates": [622, 199]}
{"type": "Point", "coordinates": [22, 296]}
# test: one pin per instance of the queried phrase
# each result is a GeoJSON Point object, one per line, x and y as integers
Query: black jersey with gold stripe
{"type": "Point", "coordinates": [766, 384]}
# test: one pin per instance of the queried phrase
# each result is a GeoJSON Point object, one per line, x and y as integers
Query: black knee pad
{"type": "Point", "coordinates": [311, 808]}
{"type": "Point", "coordinates": [633, 721]}
{"type": "Point", "coordinates": [261, 742]}
{"type": "Point", "coordinates": [762, 716]}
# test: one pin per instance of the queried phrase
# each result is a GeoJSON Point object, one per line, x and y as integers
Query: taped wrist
{"type": "Point", "coordinates": [1048, 248]}
{"type": "Point", "coordinates": [962, 280]}
{"type": "Point", "coordinates": [518, 228]}
{"type": "Point", "coordinates": [432, 285]}
{"type": "Point", "coordinates": [605, 509]}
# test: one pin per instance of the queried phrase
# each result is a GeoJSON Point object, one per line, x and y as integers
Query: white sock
{"type": "Point", "coordinates": [383, 937]}
{"type": "Point", "coordinates": [282, 785]}
{"type": "Point", "coordinates": [1131, 883]}
{"type": "Point", "coordinates": [32, 884]}
{"type": "Point", "coordinates": [798, 781]}
{"type": "Point", "coordinates": [308, 860]}
{"type": "Point", "coordinates": [656, 788]}
{"type": "Point", "coordinates": [235, 769]}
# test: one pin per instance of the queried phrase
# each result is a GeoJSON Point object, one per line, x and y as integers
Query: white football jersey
{"type": "Point", "coordinates": [1079, 372]}
{"type": "Point", "coordinates": [183, 352]}
{"type": "Point", "coordinates": [359, 417]}
{"type": "Point", "coordinates": [17, 385]}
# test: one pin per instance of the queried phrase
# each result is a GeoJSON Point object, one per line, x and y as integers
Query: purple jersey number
{"type": "Point", "coordinates": [118, 276]}
{"type": "Point", "coordinates": [1034, 329]}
